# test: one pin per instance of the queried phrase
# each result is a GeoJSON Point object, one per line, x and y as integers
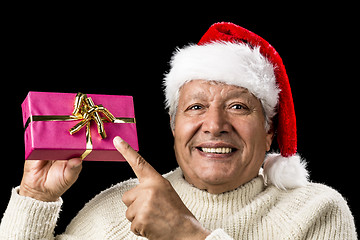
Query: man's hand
{"type": "Point", "coordinates": [48, 180]}
{"type": "Point", "coordinates": [154, 208]}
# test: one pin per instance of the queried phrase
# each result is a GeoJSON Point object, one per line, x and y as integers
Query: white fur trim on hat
{"type": "Point", "coordinates": [285, 172]}
{"type": "Point", "coordinates": [231, 63]}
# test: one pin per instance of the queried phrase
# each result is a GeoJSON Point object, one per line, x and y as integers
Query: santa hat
{"type": "Point", "coordinates": [234, 55]}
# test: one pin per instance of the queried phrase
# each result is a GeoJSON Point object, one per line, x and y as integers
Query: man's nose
{"type": "Point", "coordinates": [215, 122]}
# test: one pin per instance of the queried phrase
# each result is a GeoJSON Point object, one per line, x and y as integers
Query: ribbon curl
{"type": "Point", "coordinates": [85, 110]}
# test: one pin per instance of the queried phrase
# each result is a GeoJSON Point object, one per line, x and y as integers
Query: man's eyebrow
{"type": "Point", "coordinates": [239, 92]}
{"type": "Point", "coordinates": [198, 95]}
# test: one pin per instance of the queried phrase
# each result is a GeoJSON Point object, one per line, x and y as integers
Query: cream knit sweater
{"type": "Point", "coordinates": [252, 211]}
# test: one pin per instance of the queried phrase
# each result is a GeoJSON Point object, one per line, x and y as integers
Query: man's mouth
{"type": "Point", "coordinates": [218, 150]}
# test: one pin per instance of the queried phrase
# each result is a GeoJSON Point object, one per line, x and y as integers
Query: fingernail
{"type": "Point", "coordinates": [117, 140]}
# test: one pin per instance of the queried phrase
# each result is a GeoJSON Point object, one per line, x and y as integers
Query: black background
{"type": "Point", "coordinates": [111, 52]}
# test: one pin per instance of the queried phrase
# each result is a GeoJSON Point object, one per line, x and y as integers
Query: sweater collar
{"type": "Point", "coordinates": [240, 197]}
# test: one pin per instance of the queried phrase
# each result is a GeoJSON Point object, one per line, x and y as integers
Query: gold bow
{"type": "Point", "coordinates": [85, 110]}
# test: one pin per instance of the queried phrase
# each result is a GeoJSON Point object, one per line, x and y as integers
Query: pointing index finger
{"type": "Point", "coordinates": [140, 166]}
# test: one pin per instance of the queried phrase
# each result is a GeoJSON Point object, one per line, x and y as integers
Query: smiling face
{"type": "Point", "coordinates": [219, 135]}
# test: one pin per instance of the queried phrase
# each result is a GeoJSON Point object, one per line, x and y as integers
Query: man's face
{"type": "Point", "coordinates": [220, 138]}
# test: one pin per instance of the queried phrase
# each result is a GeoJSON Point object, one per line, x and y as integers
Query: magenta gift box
{"type": "Point", "coordinates": [49, 139]}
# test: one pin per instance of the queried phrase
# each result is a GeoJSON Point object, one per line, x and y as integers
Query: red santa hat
{"type": "Point", "coordinates": [236, 56]}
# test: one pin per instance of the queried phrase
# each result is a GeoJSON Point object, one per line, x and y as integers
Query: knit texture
{"type": "Point", "coordinates": [253, 211]}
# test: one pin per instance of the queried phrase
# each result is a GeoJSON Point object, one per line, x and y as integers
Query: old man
{"type": "Point", "coordinates": [228, 98]}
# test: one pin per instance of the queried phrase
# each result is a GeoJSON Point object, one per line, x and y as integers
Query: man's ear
{"type": "Point", "coordinates": [270, 137]}
{"type": "Point", "coordinates": [171, 126]}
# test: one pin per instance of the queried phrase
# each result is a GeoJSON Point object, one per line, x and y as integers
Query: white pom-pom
{"type": "Point", "coordinates": [285, 172]}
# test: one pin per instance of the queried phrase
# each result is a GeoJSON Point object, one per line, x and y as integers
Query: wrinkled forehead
{"type": "Point", "coordinates": [209, 90]}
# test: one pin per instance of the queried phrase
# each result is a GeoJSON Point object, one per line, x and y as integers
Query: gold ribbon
{"type": "Point", "coordinates": [84, 110]}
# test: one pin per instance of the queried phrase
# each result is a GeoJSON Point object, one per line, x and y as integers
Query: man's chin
{"type": "Point", "coordinates": [213, 176]}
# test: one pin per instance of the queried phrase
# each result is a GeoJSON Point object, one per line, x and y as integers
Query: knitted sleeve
{"type": "Point", "coordinates": [27, 218]}
{"type": "Point", "coordinates": [333, 220]}
{"type": "Point", "coordinates": [102, 217]}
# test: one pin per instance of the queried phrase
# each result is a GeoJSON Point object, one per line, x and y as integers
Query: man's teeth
{"type": "Point", "coordinates": [217, 150]}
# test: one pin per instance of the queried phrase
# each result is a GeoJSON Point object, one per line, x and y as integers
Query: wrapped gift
{"type": "Point", "coordinates": [60, 126]}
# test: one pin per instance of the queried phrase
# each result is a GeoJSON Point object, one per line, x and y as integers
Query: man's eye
{"type": "Point", "coordinates": [195, 107]}
{"type": "Point", "coordinates": [237, 106]}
